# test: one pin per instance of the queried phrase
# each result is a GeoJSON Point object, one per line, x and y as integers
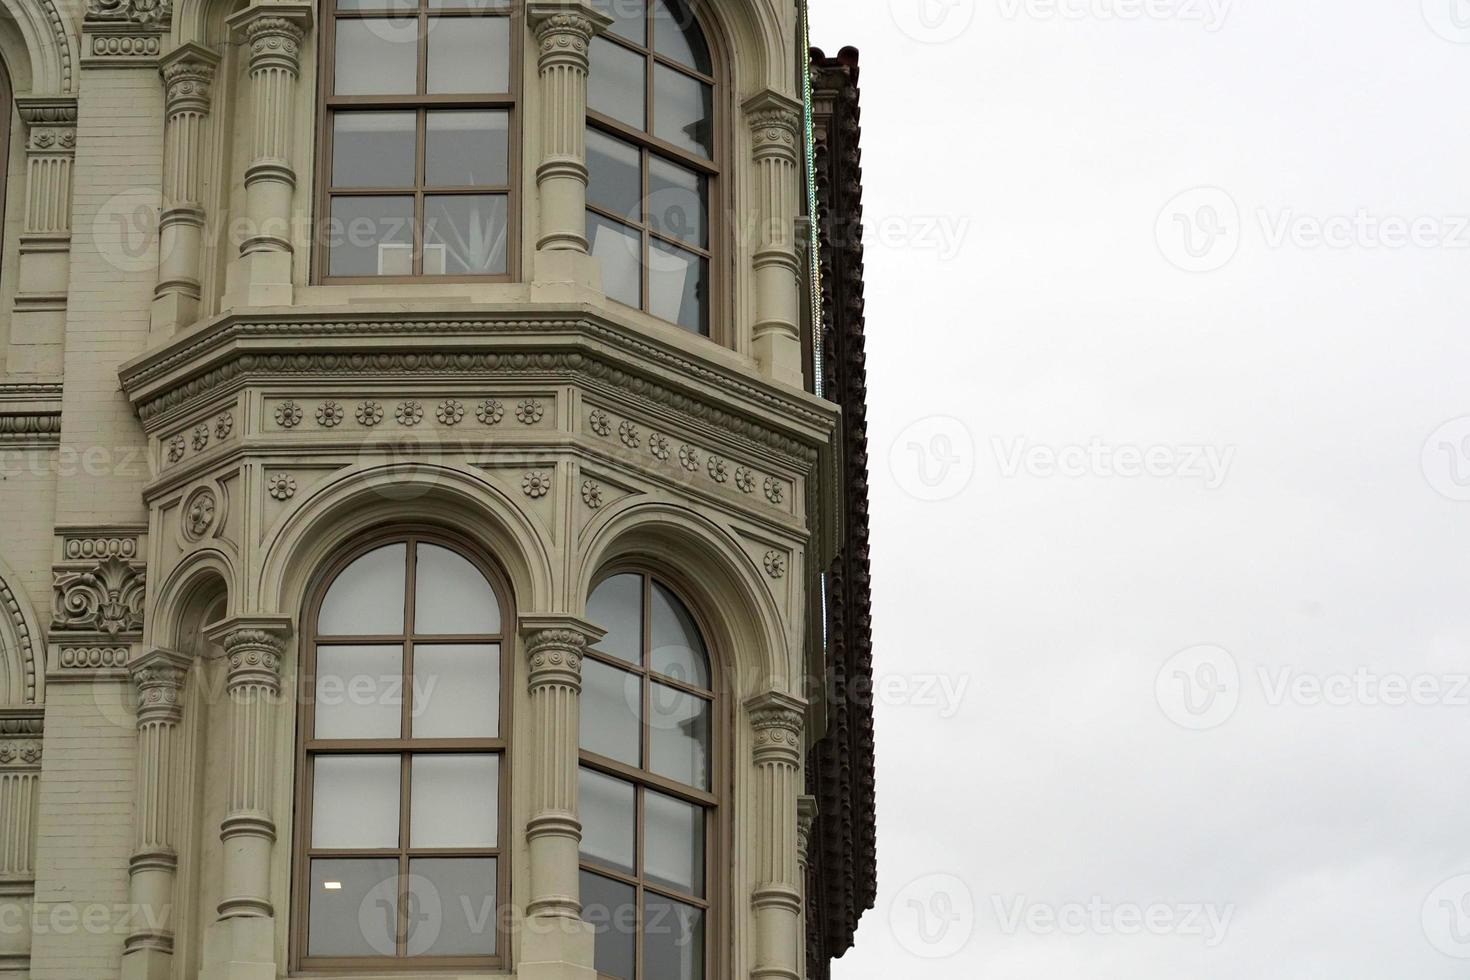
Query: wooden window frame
{"type": "Point", "coordinates": [308, 748]}
{"type": "Point", "coordinates": [328, 103]}
{"type": "Point", "coordinates": [643, 779]}
{"type": "Point", "coordinates": [713, 169]}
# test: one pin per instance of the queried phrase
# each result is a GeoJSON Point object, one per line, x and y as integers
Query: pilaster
{"type": "Point", "coordinates": [564, 32]}
{"type": "Point", "coordinates": [158, 678]}
{"type": "Point", "coordinates": [241, 943]}
{"type": "Point", "coordinates": [556, 942]}
{"type": "Point", "coordinates": [274, 32]}
{"type": "Point", "coordinates": [775, 128]}
{"type": "Point", "coordinates": [38, 318]}
{"type": "Point", "coordinates": [188, 74]}
{"type": "Point", "coordinates": [777, 721]}
{"type": "Point", "coordinates": [20, 774]}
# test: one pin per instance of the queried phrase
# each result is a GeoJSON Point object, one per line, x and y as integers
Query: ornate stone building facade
{"type": "Point", "coordinates": [433, 482]}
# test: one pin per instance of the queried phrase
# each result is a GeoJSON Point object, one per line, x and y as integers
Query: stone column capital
{"type": "Point", "coordinates": [775, 123]}
{"type": "Point", "coordinates": [253, 648]}
{"type": "Point", "coordinates": [159, 679]}
{"type": "Point", "coordinates": [562, 24]}
{"type": "Point", "coordinates": [806, 819]}
{"type": "Point", "coordinates": [188, 72]}
{"type": "Point", "coordinates": [274, 32]}
{"type": "Point", "coordinates": [778, 720]}
{"type": "Point", "coordinates": [555, 646]}
{"type": "Point", "coordinates": [21, 731]}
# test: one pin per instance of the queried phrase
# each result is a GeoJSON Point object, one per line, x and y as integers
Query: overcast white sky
{"type": "Point", "coordinates": [1271, 802]}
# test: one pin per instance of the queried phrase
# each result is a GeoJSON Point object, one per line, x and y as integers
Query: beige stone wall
{"type": "Point", "coordinates": [223, 447]}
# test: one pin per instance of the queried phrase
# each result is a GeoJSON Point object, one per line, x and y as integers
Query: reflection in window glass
{"type": "Point", "coordinates": [469, 55]}
{"type": "Point", "coordinates": [611, 908]}
{"type": "Point", "coordinates": [454, 801]}
{"type": "Point", "coordinates": [675, 837]}
{"type": "Point", "coordinates": [377, 56]}
{"type": "Point", "coordinates": [355, 802]}
{"type": "Point", "coordinates": [456, 690]}
{"type": "Point", "coordinates": [683, 111]}
{"type": "Point", "coordinates": [676, 35]}
{"type": "Point", "coordinates": [353, 907]}
{"type": "Point", "coordinates": [359, 692]}
{"type": "Point", "coordinates": [617, 606]}
{"type": "Point", "coordinates": [366, 598]}
{"type": "Point", "coordinates": [609, 810]}
{"type": "Point", "coordinates": [678, 726]}
{"type": "Point", "coordinates": [615, 182]}
{"type": "Point", "coordinates": [465, 234]}
{"type": "Point", "coordinates": [678, 202]}
{"type": "Point", "coordinates": [619, 251]}
{"type": "Point", "coordinates": [467, 149]}
{"type": "Point", "coordinates": [617, 86]}
{"type": "Point", "coordinates": [611, 709]}
{"type": "Point", "coordinates": [678, 286]}
{"type": "Point", "coordinates": [673, 939]}
{"type": "Point", "coordinates": [677, 648]}
{"type": "Point", "coordinates": [373, 149]}
{"type": "Point", "coordinates": [452, 596]}
{"type": "Point", "coordinates": [451, 907]}
{"type": "Point", "coordinates": [371, 236]}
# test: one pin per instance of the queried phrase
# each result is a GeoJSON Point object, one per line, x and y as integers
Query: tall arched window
{"type": "Point", "coordinates": [647, 783]}
{"type": "Point", "coordinates": [401, 800]}
{"type": "Point", "coordinates": [419, 151]}
{"type": "Point", "coordinates": [653, 152]}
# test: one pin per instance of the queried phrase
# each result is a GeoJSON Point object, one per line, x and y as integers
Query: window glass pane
{"type": "Point", "coordinates": [451, 907]}
{"type": "Point", "coordinates": [617, 83]}
{"type": "Point", "coordinates": [609, 809]}
{"type": "Point", "coordinates": [673, 939]}
{"type": "Point", "coordinates": [377, 56]}
{"type": "Point", "coordinates": [373, 149]}
{"type": "Point", "coordinates": [393, 5]}
{"type": "Point", "coordinates": [353, 908]}
{"type": "Point", "coordinates": [464, 234]}
{"type": "Point", "coordinates": [615, 177]}
{"type": "Point", "coordinates": [355, 801]}
{"type": "Point", "coordinates": [676, 35]}
{"type": "Point", "coordinates": [451, 595]}
{"type": "Point", "coordinates": [366, 599]}
{"type": "Point", "coordinates": [359, 692]}
{"type": "Point", "coordinates": [612, 701]}
{"type": "Point", "coordinates": [677, 648]}
{"type": "Point", "coordinates": [678, 736]}
{"type": "Point", "coordinates": [678, 202]}
{"type": "Point", "coordinates": [629, 18]}
{"type": "Point", "coordinates": [683, 111]}
{"type": "Point", "coordinates": [469, 54]}
{"type": "Point", "coordinates": [611, 908]}
{"type": "Point", "coordinates": [617, 606]}
{"type": "Point", "coordinates": [619, 251]}
{"type": "Point", "coordinates": [371, 236]}
{"type": "Point", "coordinates": [678, 286]}
{"type": "Point", "coordinates": [455, 800]}
{"type": "Point", "coordinates": [456, 690]}
{"type": "Point", "coordinates": [674, 839]}
{"type": "Point", "coordinates": [467, 149]}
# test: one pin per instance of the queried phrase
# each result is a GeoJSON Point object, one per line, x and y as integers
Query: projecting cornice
{"type": "Point", "coordinates": [575, 345]}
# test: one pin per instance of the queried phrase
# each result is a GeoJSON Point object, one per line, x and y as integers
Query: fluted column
{"type": "Point", "coordinates": [38, 320]}
{"type": "Point", "coordinates": [253, 684]}
{"type": "Point", "coordinates": [274, 32]}
{"type": "Point", "coordinates": [158, 678]}
{"type": "Point", "coordinates": [188, 74]}
{"type": "Point", "coordinates": [775, 128]}
{"type": "Point", "coordinates": [564, 32]}
{"type": "Point", "coordinates": [777, 720]}
{"type": "Point", "coordinates": [20, 776]}
{"type": "Point", "coordinates": [554, 647]}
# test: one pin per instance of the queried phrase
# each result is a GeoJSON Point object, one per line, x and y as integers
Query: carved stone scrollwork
{"type": "Point", "coordinates": [130, 11]}
{"type": "Point", "coordinates": [107, 598]}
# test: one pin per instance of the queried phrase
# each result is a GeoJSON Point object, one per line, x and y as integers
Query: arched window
{"type": "Point", "coordinates": [653, 152]}
{"type": "Point", "coordinates": [647, 783]}
{"type": "Point", "coordinates": [419, 153]}
{"type": "Point", "coordinates": [401, 801]}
